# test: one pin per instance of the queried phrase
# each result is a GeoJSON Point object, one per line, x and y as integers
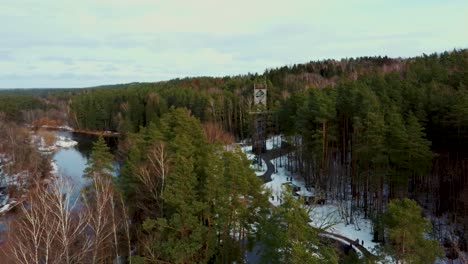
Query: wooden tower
{"type": "Point", "coordinates": [259, 119]}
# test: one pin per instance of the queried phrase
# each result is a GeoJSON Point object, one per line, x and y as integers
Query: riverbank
{"type": "Point", "coordinates": [80, 131]}
{"type": "Point", "coordinates": [45, 144]}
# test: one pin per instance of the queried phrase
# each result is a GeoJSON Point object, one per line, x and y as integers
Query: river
{"type": "Point", "coordinates": [71, 162]}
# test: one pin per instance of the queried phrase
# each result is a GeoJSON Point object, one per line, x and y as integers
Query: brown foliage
{"type": "Point", "coordinates": [152, 174]}
{"type": "Point", "coordinates": [215, 134]}
{"type": "Point", "coordinates": [54, 227]}
{"type": "Point", "coordinates": [48, 136]}
{"type": "Point", "coordinates": [47, 229]}
{"type": "Point", "coordinates": [15, 143]}
{"type": "Point", "coordinates": [45, 121]}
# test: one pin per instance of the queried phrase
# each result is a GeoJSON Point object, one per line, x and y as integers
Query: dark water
{"type": "Point", "coordinates": [71, 162]}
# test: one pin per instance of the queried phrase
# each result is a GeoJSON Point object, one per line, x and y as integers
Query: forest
{"type": "Point", "coordinates": [383, 137]}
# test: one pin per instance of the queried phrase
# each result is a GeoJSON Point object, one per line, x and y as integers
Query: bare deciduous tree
{"type": "Point", "coordinates": [215, 133]}
{"type": "Point", "coordinates": [153, 174]}
{"type": "Point", "coordinates": [48, 229]}
{"type": "Point", "coordinates": [100, 223]}
{"type": "Point", "coordinates": [53, 227]}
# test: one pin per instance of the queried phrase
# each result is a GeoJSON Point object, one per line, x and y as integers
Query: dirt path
{"type": "Point", "coordinates": [270, 155]}
{"type": "Point", "coordinates": [355, 245]}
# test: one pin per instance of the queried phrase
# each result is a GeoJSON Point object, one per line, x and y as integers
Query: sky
{"type": "Point", "coordinates": [82, 43]}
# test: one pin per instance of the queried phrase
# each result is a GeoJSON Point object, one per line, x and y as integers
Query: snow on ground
{"type": "Point", "coordinates": [55, 169]}
{"type": "Point", "coordinates": [17, 179]}
{"type": "Point", "coordinates": [259, 170]}
{"type": "Point", "coordinates": [65, 142]}
{"type": "Point", "coordinates": [362, 230]}
{"type": "Point", "coordinates": [5, 208]}
{"type": "Point", "coordinates": [281, 177]}
{"type": "Point", "coordinates": [325, 216]}
{"type": "Point", "coordinates": [60, 142]}
{"type": "Point", "coordinates": [6, 202]}
{"type": "Point", "coordinates": [274, 142]}
{"type": "Point", "coordinates": [67, 128]}
{"type": "Point", "coordinates": [360, 253]}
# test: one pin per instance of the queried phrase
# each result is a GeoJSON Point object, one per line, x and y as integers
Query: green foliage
{"type": "Point", "coordinates": [100, 160]}
{"type": "Point", "coordinates": [98, 169]}
{"type": "Point", "coordinates": [377, 121]}
{"type": "Point", "coordinates": [127, 108]}
{"type": "Point", "coordinates": [208, 195]}
{"type": "Point", "coordinates": [418, 147]}
{"type": "Point", "coordinates": [408, 232]}
{"type": "Point", "coordinates": [288, 111]}
{"type": "Point", "coordinates": [12, 105]}
{"type": "Point", "coordinates": [287, 237]}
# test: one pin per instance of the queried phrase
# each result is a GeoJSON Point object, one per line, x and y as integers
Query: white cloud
{"type": "Point", "coordinates": [64, 43]}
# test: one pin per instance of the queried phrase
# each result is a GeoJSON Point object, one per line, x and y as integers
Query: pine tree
{"type": "Point", "coordinates": [100, 160]}
{"type": "Point", "coordinates": [419, 151]}
{"type": "Point", "coordinates": [287, 237]}
{"type": "Point", "coordinates": [407, 233]}
{"type": "Point", "coordinates": [370, 148]}
{"type": "Point", "coordinates": [211, 197]}
{"type": "Point", "coordinates": [396, 146]}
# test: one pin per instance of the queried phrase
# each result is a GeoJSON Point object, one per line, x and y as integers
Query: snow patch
{"type": "Point", "coordinates": [274, 142]}
{"type": "Point", "coordinates": [65, 142]}
{"type": "Point", "coordinates": [328, 216]}
{"type": "Point", "coordinates": [60, 142]}
{"type": "Point", "coordinates": [66, 128]}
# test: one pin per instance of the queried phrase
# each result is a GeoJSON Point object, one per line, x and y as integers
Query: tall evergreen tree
{"type": "Point", "coordinates": [396, 146]}
{"type": "Point", "coordinates": [100, 160]}
{"type": "Point", "coordinates": [407, 233]}
{"type": "Point", "coordinates": [418, 150]}
{"type": "Point", "coordinates": [287, 237]}
{"type": "Point", "coordinates": [210, 195]}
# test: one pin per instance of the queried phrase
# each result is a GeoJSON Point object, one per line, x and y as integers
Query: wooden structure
{"type": "Point", "coordinates": [259, 119]}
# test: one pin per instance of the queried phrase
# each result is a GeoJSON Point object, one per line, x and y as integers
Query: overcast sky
{"type": "Point", "coordinates": [79, 43]}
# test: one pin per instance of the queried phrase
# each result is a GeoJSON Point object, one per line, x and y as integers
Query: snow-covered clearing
{"type": "Point", "coordinates": [362, 229]}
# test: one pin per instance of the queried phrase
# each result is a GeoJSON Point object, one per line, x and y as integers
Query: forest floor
{"type": "Point", "coordinates": [327, 216]}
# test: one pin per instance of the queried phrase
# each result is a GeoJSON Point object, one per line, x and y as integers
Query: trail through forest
{"type": "Point", "coordinates": [274, 153]}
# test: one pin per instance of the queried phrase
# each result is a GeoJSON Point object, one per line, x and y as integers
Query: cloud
{"type": "Point", "coordinates": [5, 55]}
{"type": "Point", "coordinates": [62, 43]}
{"type": "Point", "coordinates": [64, 60]}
